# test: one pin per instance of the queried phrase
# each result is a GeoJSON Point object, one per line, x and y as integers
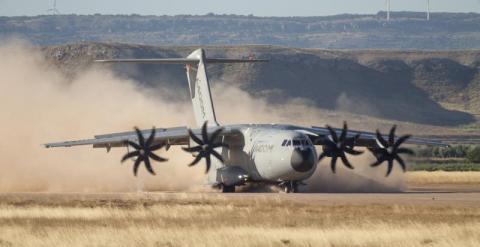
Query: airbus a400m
{"type": "Point", "coordinates": [284, 155]}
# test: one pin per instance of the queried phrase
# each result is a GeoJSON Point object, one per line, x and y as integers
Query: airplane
{"type": "Point", "coordinates": [278, 154]}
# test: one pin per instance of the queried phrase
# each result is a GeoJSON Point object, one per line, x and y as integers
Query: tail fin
{"type": "Point", "coordinates": [200, 90]}
{"type": "Point", "coordinates": [196, 64]}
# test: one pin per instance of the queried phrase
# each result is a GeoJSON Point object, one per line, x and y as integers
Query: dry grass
{"type": "Point", "coordinates": [443, 178]}
{"type": "Point", "coordinates": [214, 220]}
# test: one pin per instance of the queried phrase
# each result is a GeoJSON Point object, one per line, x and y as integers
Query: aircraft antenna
{"type": "Point", "coordinates": [54, 10]}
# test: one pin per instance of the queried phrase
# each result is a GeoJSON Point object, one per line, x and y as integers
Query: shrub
{"type": "Point", "coordinates": [473, 154]}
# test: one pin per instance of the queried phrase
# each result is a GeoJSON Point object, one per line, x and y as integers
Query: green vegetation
{"type": "Point", "coordinates": [473, 155]}
{"type": "Point", "coordinates": [430, 166]}
{"type": "Point", "coordinates": [453, 158]}
{"type": "Point", "coordinates": [457, 151]}
{"type": "Point", "coordinates": [469, 152]}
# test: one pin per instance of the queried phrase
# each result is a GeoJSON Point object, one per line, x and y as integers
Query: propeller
{"type": "Point", "coordinates": [336, 147]}
{"type": "Point", "coordinates": [206, 146]}
{"type": "Point", "coordinates": [144, 151]}
{"type": "Point", "coordinates": [389, 150]}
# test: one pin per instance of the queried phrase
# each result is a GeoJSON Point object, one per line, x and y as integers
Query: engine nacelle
{"type": "Point", "coordinates": [231, 175]}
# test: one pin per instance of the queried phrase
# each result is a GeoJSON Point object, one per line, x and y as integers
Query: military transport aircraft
{"type": "Point", "coordinates": [283, 155]}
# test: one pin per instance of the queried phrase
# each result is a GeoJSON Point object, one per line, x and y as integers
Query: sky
{"type": "Point", "coordinates": [241, 7]}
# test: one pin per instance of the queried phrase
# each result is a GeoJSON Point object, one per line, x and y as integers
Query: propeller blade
{"type": "Point", "coordinates": [141, 139]}
{"type": "Point", "coordinates": [215, 134]}
{"type": "Point", "coordinates": [333, 164]}
{"type": "Point", "coordinates": [157, 146]}
{"type": "Point", "coordinates": [391, 136]}
{"type": "Point", "coordinates": [353, 152]}
{"type": "Point", "coordinates": [344, 131]}
{"type": "Point", "coordinates": [377, 163]}
{"type": "Point", "coordinates": [401, 162]}
{"type": "Point", "coordinates": [390, 168]}
{"type": "Point", "coordinates": [382, 143]}
{"type": "Point", "coordinates": [333, 134]}
{"type": "Point", "coordinates": [217, 155]}
{"type": "Point", "coordinates": [130, 155]}
{"type": "Point", "coordinates": [346, 162]}
{"type": "Point", "coordinates": [196, 160]}
{"type": "Point", "coordinates": [206, 146]}
{"type": "Point", "coordinates": [156, 157]}
{"type": "Point", "coordinates": [148, 166]}
{"type": "Point", "coordinates": [208, 161]}
{"type": "Point", "coordinates": [134, 145]}
{"type": "Point", "coordinates": [389, 151]}
{"type": "Point", "coordinates": [195, 138]}
{"type": "Point", "coordinates": [337, 146]}
{"type": "Point", "coordinates": [150, 138]}
{"type": "Point", "coordinates": [204, 132]}
{"type": "Point", "coordinates": [136, 165]}
{"type": "Point", "coordinates": [401, 140]}
{"type": "Point", "coordinates": [144, 151]}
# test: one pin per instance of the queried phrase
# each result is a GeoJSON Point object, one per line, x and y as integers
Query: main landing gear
{"type": "Point", "coordinates": [290, 186]}
{"type": "Point", "coordinates": [228, 188]}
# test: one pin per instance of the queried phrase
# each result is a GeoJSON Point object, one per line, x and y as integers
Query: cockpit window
{"type": "Point", "coordinates": [296, 143]}
{"type": "Point", "coordinates": [284, 143]}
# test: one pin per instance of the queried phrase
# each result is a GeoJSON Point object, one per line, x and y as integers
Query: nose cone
{"type": "Point", "coordinates": [303, 160]}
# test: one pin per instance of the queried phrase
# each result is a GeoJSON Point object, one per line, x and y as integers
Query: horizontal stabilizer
{"type": "Point", "coordinates": [180, 60]}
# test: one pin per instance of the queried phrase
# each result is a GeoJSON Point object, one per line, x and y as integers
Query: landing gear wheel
{"type": "Point", "coordinates": [228, 189]}
{"type": "Point", "coordinates": [291, 187]}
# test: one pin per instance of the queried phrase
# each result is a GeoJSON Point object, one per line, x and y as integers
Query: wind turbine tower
{"type": "Point", "coordinates": [388, 9]}
{"type": "Point", "coordinates": [428, 10]}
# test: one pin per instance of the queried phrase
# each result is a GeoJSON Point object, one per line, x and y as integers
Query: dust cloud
{"type": "Point", "coordinates": [38, 104]}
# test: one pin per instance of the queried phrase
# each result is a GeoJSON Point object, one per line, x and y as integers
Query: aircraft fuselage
{"type": "Point", "coordinates": [266, 154]}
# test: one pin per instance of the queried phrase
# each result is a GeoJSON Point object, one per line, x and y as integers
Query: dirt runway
{"type": "Point", "coordinates": [438, 195]}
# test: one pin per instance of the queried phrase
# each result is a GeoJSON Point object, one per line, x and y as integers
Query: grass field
{"type": "Point", "coordinates": [443, 178]}
{"type": "Point", "coordinates": [449, 166]}
{"type": "Point", "coordinates": [211, 219]}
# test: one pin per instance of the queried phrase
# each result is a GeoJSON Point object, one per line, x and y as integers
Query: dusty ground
{"type": "Point", "coordinates": [426, 215]}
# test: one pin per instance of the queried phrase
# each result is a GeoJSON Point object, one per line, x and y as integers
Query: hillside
{"type": "Point", "coordinates": [406, 30]}
{"type": "Point", "coordinates": [433, 88]}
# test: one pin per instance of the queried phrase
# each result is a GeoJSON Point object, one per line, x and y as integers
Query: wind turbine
{"type": "Point", "coordinates": [387, 2]}
{"type": "Point", "coordinates": [54, 10]}
{"type": "Point", "coordinates": [428, 10]}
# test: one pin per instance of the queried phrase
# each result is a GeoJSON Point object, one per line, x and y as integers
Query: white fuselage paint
{"type": "Point", "coordinates": [259, 151]}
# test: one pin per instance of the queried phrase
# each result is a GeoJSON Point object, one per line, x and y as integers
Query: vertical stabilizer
{"type": "Point", "coordinates": [200, 90]}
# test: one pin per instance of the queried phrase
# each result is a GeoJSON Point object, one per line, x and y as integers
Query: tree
{"type": "Point", "coordinates": [473, 154]}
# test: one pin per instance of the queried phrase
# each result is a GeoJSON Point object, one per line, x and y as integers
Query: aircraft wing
{"type": "Point", "coordinates": [169, 136]}
{"type": "Point", "coordinates": [319, 135]}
